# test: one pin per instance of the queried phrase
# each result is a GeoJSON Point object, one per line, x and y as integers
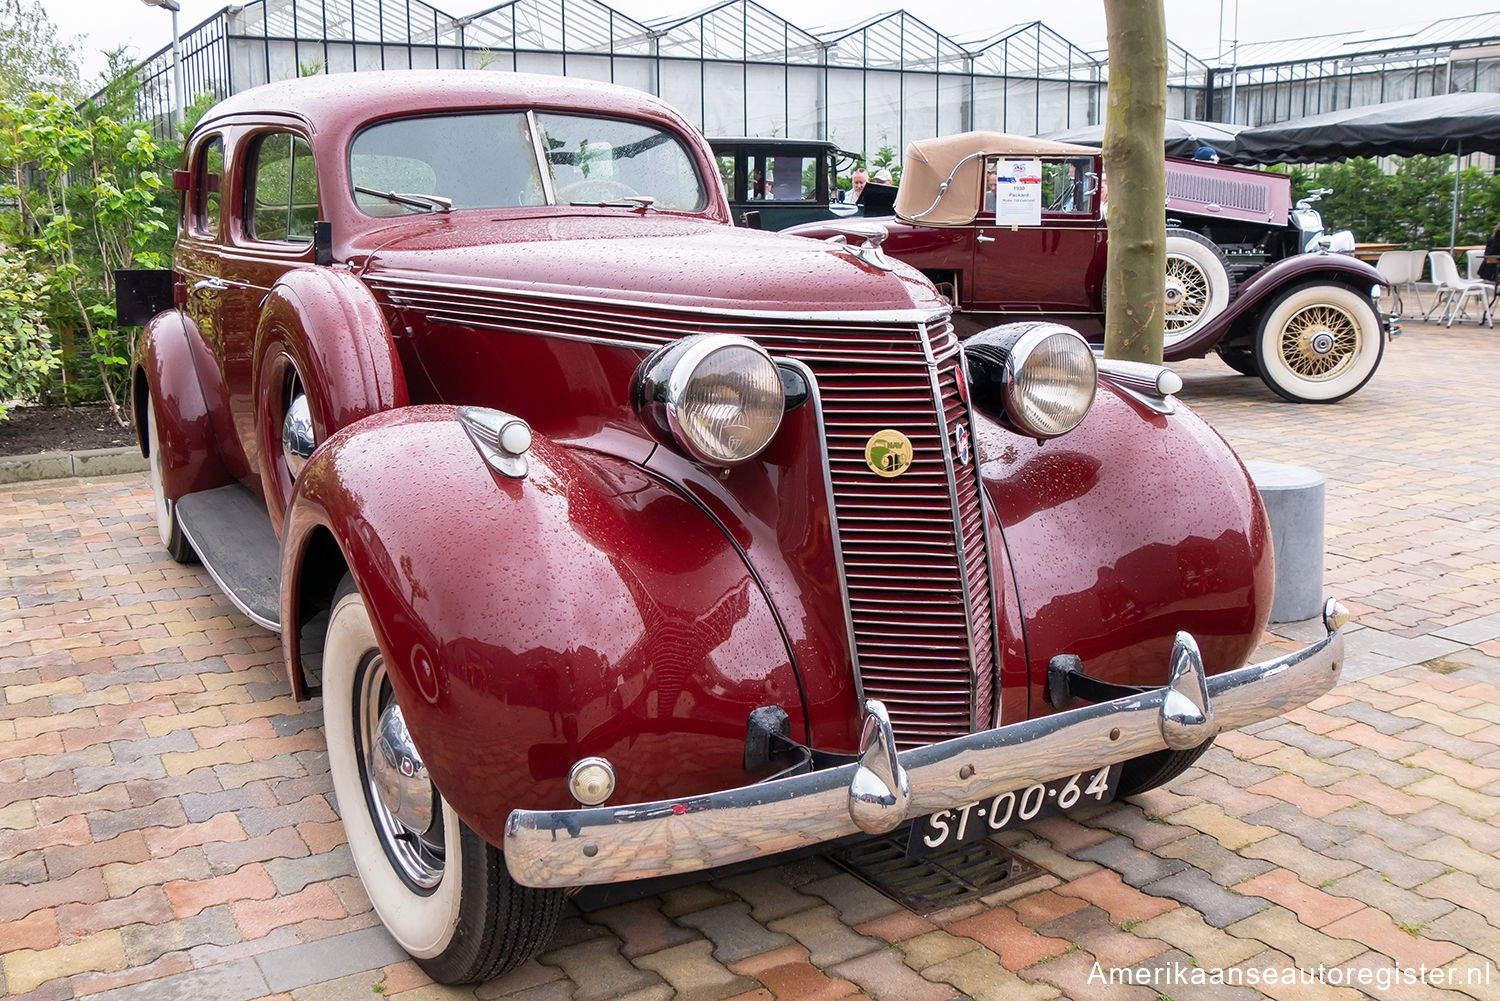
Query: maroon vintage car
{"type": "Point", "coordinates": [1013, 228]}
{"type": "Point", "coordinates": [620, 542]}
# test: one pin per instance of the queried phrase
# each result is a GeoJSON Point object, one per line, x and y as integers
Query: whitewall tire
{"type": "Point", "coordinates": [172, 539]}
{"type": "Point", "coordinates": [1318, 343]}
{"type": "Point", "coordinates": [443, 893]}
{"type": "Point", "coordinates": [1197, 285]}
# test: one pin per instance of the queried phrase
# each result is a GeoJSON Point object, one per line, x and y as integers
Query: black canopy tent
{"type": "Point", "coordinates": [1446, 123]}
{"type": "Point", "coordinates": [1183, 137]}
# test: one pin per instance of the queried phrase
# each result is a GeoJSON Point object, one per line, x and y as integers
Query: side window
{"type": "Point", "coordinates": [207, 184]}
{"type": "Point", "coordinates": [1067, 187]}
{"type": "Point", "coordinates": [282, 193]}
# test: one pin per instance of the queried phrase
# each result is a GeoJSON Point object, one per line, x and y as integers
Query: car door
{"type": "Point", "coordinates": [272, 205]}
{"type": "Point", "coordinates": [1054, 266]}
{"type": "Point", "coordinates": [199, 262]}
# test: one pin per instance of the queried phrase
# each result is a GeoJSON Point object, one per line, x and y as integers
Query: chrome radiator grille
{"type": "Point", "coordinates": [913, 547]}
{"type": "Point", "coordinates": [915, 560]}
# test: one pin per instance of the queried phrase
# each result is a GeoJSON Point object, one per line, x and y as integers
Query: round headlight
{"type": "Point", "coordinates": [717, 399]}
{"type": "Point", "coordinates": [1039, 378]}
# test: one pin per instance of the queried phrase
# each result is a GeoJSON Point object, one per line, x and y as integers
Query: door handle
{"type": "Point", "coordinates": [981, 238]}
{"type": "Point", "coordinates": [209, 285]}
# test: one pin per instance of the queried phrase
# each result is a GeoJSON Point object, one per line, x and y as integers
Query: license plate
{"type": "Point", "coordinates": [1011, 809]}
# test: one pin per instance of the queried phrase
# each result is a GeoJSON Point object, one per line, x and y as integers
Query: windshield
{"type": "Point", "coordinates": [488, 160]}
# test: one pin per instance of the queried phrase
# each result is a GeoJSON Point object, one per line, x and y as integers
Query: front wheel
{"type": "Point", "coordinates": [1157, 769]}
{"type": "Point", "coordinates": [1318, 343]}
{"type": "Point", "coordinates": [441, 890]}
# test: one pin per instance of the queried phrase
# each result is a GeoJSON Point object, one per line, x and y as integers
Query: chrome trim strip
{"type": "Point", "coordinates": [960, 552]}
{"type": "Point", "coordinates": [541, 156]}
{"type": "Point", "coordinates": [250, 613]}
{"type": "Point", "coordinates": [567, 848]}
{"type": "Point", "coordinates": [815, 398]}
{"type": "Point", "coordinates": [851, 317]}
{"type": "Point", "coordinates": [943, 188]}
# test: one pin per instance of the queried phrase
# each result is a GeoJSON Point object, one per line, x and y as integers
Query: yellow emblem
{"type": "Point", "coordinates": [888, 453]}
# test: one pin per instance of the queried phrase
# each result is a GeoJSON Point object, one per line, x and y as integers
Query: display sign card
{"type": "Point", "coordinates": [1018, 192]}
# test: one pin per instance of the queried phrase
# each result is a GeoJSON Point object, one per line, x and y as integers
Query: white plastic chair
{"type": "Point", "coordinates": [1453, 291]}
{"type": "Point", "coordinates": [1475, 258]}
{"type": "Point", "coordinates": [1416, 261]}
{"type": "Point", "coordinates": [1395, 267]}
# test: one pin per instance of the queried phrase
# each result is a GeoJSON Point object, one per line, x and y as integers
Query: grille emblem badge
{"type": "Point", "coordinates": [888, 453]}
{"type": "Point", "coordinates": [961, 440]}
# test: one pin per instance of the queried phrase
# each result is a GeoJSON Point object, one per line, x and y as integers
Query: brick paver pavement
{"type": "Point", "coordinates": [166, 827]}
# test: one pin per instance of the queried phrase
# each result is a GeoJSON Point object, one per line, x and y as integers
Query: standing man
{"type": "Point", "coordinates": [857, 182]}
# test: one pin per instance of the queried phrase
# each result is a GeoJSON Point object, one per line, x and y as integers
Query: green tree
{"type": "Point", "coordinates": [33, 56]}
{"type": "Point", "coordinates": [1135, 119]}
{"type": "Point", "coordinates": [84, 183]}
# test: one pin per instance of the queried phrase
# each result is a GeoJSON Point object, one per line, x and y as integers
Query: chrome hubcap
{"type": "Point", "coordinates": [297, 435]}
{"type": "Point", "coordinates": [398, 793]}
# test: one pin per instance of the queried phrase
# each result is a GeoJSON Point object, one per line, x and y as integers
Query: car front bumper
{"type": "Point", "coordinates": [563, 848]}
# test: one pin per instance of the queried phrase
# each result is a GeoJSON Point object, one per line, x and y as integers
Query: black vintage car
{"type": "Point", "coordinates": [776, 183]}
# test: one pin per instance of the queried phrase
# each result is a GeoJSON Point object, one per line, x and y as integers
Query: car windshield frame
{"type": "Point", "coordinates": [402, 185]}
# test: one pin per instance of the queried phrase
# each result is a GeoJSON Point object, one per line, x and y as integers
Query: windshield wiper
{"type": "Point", "coordinates": [414, 199]}
{"type": "Point", "coordinates": [642, 202]}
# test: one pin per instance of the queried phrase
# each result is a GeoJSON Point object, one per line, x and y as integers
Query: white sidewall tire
{"type": "Point", "coordinates": [423, 924]}
{"type": "Point", "coordinates": [1347, 309]}
{"type": "Point", "coordinates": [172, 539]}
{"type": "Point", "coordinates": [1191, 253]}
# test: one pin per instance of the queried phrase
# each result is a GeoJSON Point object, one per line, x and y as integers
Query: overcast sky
{"type": "Point", "coordinates": [1193, 24]}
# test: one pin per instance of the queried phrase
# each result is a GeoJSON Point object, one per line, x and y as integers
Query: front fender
{"type": "Point", "coordinates": [1255, 291]}
{"type": "Point", "coordinates": [587, 609]}
{"type": "Point", "coordinates": [165, 370]}
{"type": "Point", "coordinates": [324, 324]}
{"type": "Point", "coordinates": [1128, 528]}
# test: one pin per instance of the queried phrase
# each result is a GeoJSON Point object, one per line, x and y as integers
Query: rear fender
{"type": "Point", "coordinates": [1254, 293]}
{"type": "Point", "coordinates": [587, 609]}
{"type": "Point", "coordinates": [324, 325]}
{"type": "Point", "coordinates": [166, 370]}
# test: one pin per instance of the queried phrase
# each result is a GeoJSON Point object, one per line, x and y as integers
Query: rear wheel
{"type": "Point", "coordinates": [172, 539]}
{"type": "Point", "coordinates": [1197, 284]}
{"type": "Point", "coordinates": [442, 891]}
{"type": "Point", "coordinates": [1319, 343]}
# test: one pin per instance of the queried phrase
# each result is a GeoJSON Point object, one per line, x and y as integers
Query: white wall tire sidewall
{"type": "Point", "coordinates": [166, 519]}
{"type": "Point", "coordinates": [1205, 258]}
{"type": "Point", "coordinates": [1367, 352]}
{"type": "Point", "coordinates": [423, 925]}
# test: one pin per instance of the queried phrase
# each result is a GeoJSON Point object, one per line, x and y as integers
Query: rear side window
{"type": "Point", "coordinates": [208, 181]}
{"type": "Point", "coordinates": [282, 195]}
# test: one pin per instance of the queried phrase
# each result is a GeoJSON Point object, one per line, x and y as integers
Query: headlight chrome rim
{"type": "Point", "coordinates": [664, 389]}
{"type": "Point", "coordinates": [1023, 404]}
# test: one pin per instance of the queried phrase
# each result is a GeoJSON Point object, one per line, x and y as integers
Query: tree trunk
{"type": "Point", "coordinates": [1135, 170]}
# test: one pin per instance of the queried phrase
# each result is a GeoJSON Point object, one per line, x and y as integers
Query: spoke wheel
{"type": "Point", "coordinates": [1197, 287]}
{"type": "Point", "coordinates": [442, 891]}
{"type": "Point", "coordinates": [1319, 343]}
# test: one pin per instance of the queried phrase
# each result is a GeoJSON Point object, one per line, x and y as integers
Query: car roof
{"type": "Point", "coordinates": [931, 163]}
{"type": "Point", "coordinates": [775, 142]}
{"type": "Point", "coordinates": [333, 97]}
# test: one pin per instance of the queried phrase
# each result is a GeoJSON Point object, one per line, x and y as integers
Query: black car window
{"type": "Point", "coordinates": [282, 194]}
{"type": "Point", "coordinates": [208, 181]}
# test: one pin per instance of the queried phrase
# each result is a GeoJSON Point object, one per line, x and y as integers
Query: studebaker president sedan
{"type": "Point", "coordinates": [1237, 282]}
{"type": "Point", "coordinates": [621, 542]}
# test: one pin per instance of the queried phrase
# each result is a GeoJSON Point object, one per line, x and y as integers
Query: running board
{"type": "Point", "coordinates": [232, 535]}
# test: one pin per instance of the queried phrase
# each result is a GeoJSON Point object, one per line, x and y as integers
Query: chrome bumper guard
{"type": "Point", "coordinates": [882, 789]}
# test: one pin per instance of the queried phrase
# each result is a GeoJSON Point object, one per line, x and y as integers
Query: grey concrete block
{"type": "Point", "coordinates": [329, 959]}
{"type": "Point", "coordinates": [1293, 498]}
{"type": "Point", "coordinates": [237, 981]}
{"type": "Point", "coordinates": [42, 466]}
{"type": "Point", "coordinates": [108, 461]}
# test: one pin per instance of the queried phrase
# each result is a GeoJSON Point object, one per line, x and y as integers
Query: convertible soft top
{"type": "Point", "coordinates": [929, 162]}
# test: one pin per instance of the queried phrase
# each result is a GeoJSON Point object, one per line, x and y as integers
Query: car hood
{"type": "Point", "coordinates": [658, 259]}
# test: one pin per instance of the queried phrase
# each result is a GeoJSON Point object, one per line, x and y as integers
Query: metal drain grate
{"type": "Point", "coordinates": [946, 877]}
